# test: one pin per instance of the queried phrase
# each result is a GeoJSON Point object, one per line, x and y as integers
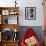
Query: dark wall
{"type": "Point", "coordinates": [37, 29]}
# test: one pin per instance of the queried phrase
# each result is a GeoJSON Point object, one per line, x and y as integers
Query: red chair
{"type": "Point", "coordinates": [29, 33]}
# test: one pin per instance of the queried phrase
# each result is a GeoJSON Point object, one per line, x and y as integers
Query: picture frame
{"type": "Point", "coordinates": [30, 13]}
{"type": "Point", "coordinates": [13, 12]}
{"type": "Point", "coordinates": [5, 12]}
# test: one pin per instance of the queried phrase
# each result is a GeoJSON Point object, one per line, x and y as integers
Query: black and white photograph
{"type": "Point", "coordinates": [30, 13]}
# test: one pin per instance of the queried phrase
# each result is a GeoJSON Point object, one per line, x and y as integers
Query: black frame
{"type": "Point", "coordinates": [30, 11]}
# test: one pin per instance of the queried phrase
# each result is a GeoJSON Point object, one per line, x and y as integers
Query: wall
{"type": "Point", "coordinates": [27, 3]}
{"type": "Point", "coordinates": [39, 13]}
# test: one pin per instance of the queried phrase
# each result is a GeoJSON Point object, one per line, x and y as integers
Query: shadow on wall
{"type": "Point", "coordinates": [37, 29]}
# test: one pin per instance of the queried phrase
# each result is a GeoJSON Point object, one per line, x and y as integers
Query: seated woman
{"type": "Point", "coordinates": [30, 38]}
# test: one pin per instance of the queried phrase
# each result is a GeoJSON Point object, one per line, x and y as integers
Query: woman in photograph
{"type": "Point", "coordinates": [31, 13]}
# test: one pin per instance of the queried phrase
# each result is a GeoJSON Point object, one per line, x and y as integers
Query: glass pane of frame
{"type": "Point", "coordinates": [30, 13]}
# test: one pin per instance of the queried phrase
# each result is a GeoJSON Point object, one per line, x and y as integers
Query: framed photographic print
{"type": "Point", "coordinates": [30, 13]}
{"type": "Point", "coordinates": [5, 12]}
